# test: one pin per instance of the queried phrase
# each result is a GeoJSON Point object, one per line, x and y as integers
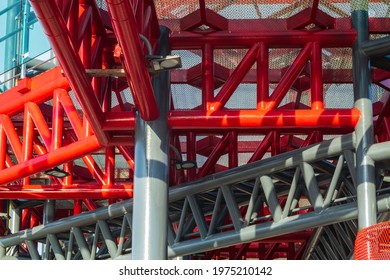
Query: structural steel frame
{"type": "Point", "coordinates": [296, 196]}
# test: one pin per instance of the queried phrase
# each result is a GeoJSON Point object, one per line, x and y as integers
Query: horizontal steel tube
{"type": "Point", "coordinates": [343, 120]}
{"type": "Point", "coordinates": [264, 119]}
{"type": "Point", "coordinates": [264, 167]}
{"type": "Point", "coordinates": [37, 89]}
{"type": "Point", "coordinates": [290, 38]}
{"type": "Point", "coordinates": [379, 151]}
{"type": "Point", "coordinates": [87, 218]}
{"type": "Point", "coordinates": [283, 161]}
{"type": "Point", "coordinates": [336, 214]}
{"type": "Point", "coordinates": [378, 47]}
{"type": "Point", "coordinates": [81, 191]}
{"type": "Point", "coordinates": [127, 33]}
{"type": "Point", "coordinates": [50, 160]}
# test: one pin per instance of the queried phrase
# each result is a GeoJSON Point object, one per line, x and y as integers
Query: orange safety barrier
{"type": "Point", "coordinates": [373, 243]}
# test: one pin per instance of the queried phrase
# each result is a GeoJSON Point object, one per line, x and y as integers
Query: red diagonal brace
{"type": "Point", "coordinates": [55, 28]}
{"type": "Point", "coordinates": [50, 160]}
{"type": "Point", "coordinates": [126, 30]}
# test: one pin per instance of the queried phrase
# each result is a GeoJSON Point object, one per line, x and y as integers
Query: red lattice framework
{"type": "Point", "coordinates": [64, 115]}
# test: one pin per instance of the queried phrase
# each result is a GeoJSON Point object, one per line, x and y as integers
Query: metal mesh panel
{"type": "Point", "coordinates": [101, 4]}
{"type": "Point", "coordinates": [337, 58]}
{"type": "Point", "coordinates": [305, 98]}
{"type": "Point", "coordinates": [290, 97]}
{"type": "Point", "coordinates": [281, 58]}
{"type": "Point", "coordinates": [114, 100]}
{"type": "Point", "coordinates": [186, 96]}
{"type": "Point", "coordinates": [376, 92]}
{"type": "Point", "coordinates": [175, 9]}
{"type": "Point", "coordinates": [126, 96]}
{"type": "Point", "coordinates": [243, 98]}
{"type": "Point", "coordinates": [230, 58]}
{"type": "Point", "coordinates": [256, 9]}
{"type": "Point", "coordinates": [379, 9]}
{"type": "Point", "coordinates": [189, 58]}
{"type": "Point", "coordinates": [336, 10]}
{"type": "Point", "coordinates": [120, 162]}
{"type": "Point", "coordinates": [75, 101]}
{"type": "Point", "coordinates": [373, 243]}
{"type": "Point", "coordinates": [339, 96]}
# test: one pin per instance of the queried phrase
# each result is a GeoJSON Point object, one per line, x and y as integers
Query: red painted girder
{"type": "Point", "coordinates": [37, 89]}
{"type": "Point", "coordinates": [343, 119]}
{"type": "Point", "coordinates": [376, 25]}
{"type": "Point", "coordinates": [55, 28]}
{"type": "Point", "coordinates": [274, 39]}
{"type": "Point", "coordinates": [114, 121]}
{"type": "Point", "coordinates": [66, 192]}
{"type": "Point", "coordinates": [50, 160]}
{"type": "Point", "coordinates": [128, 35]}
{"type": "Point", "coordinates": [331, 120]}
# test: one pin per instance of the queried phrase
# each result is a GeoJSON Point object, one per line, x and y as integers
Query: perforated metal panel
{"type": "Point", "coordinates": [373, 243]}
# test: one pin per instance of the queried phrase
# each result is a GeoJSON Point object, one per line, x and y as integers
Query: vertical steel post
{"type": "Point", "coordinates": [15, 213]}
{"type": "Point", "coordinates": [24, 38]}
{"type": "Point", "coordinates": [48, 217]}
{"type": "Point", "coordinates": [48, 211]}
{"type": "Point", "coordinates": [366, 196]}
{"type": "Point", "coordinates": [150, 212]}
{"type": "Point", "coordinates": [15, 216]}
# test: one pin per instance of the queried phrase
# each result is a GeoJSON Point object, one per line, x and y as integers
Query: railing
{"type": "Point", "coordinates": [22, 41]}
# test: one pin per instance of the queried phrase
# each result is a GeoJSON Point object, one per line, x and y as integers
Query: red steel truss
{"type": "Point", "coordinates": [66, 115]}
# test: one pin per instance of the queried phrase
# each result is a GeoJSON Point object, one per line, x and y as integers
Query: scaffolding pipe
{"type": "Point", "coordinates": [336, 214]}
{"type": "Point", "coordinates": [266, 166]}
{"type": "Point", "coordinates": [150, 212]}
{"type": "Point", "coordinates": [55, 28]}
{"type": "Point", "coordinates": [126, 31]}
{"type": "Point", "coordinates": [366, 190]}
{"type": "Point", "coordinates": [379, 151]}
{"type": "Point", "coordinates": [283, 161]}
{"type": "Point", "coordinates": [378, 47]}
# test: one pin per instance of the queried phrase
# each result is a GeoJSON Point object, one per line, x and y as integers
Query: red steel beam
{"type": "Point", "coordinates": [50, 160]}
{"type": "Point", "coordinates": [55, 28]}
{"type": "Point", "coordinates": [66, 192]}
{"type": "Point", "coordinates": [317, 91]}
{"type": "Point", "coordinates": [274, 39]}
{"type": "Point", "coordinates": [126, 30]}
{"type": "Point", "coordinates": [336, 119]}
{"type": "Point", "coordinates": [341, 120]}
{"type": "Point", "coordinates": [37, 89]}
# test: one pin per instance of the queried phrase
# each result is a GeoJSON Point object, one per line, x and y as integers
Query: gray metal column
{"type": "Point", "coordinates": [150, 210]}
{"type": "Point", "coordinates": [49, 211]}
{"type": "Point", "coordinates": [15, 214]}
{"type": "Point", "coordinates": [366, 195]}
